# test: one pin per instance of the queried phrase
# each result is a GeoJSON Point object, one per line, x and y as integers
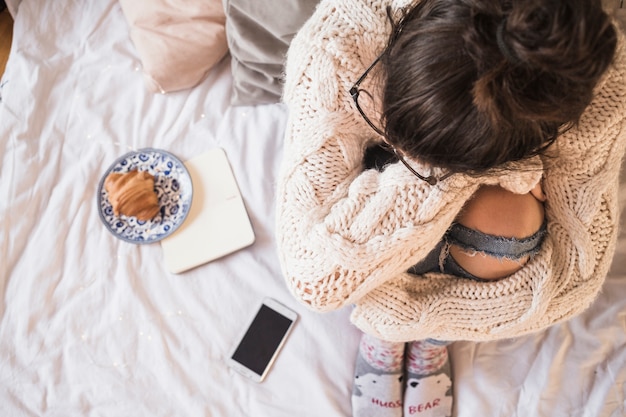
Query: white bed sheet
{"type": "Point", "coordinates": [91, 325]}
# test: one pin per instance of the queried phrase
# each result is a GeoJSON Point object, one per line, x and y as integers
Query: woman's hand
{"type": "Point", "coordinates": [538, 193]}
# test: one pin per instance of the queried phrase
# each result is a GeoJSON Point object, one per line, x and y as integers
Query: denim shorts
{"type": "Point", "coordinates": [472, 241]}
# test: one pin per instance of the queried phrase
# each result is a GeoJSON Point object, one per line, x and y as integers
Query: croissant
{"type": "Point", "coordinates": [132, 194]}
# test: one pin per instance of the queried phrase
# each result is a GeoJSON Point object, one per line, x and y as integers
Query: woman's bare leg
{"type": "Point", "coordinates": [496, 211]}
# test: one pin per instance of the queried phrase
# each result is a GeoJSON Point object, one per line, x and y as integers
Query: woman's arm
{"type": "Point", "coordinates": [343, 231]}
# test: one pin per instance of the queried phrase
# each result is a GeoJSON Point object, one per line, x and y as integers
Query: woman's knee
{"type": "Point", "coordinates": [496, 211]}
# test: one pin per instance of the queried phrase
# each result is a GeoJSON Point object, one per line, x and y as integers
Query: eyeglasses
{"type": "Point", "coordinates": [355, 92]}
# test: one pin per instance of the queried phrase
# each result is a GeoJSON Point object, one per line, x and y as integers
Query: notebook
{"type": "Point", "coordinates": [217, 223]}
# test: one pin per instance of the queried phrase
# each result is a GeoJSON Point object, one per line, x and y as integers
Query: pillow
{"type": "Point", "coordinates": [258, 34]}
{"type": "Point", "coordinates": [178, 41]}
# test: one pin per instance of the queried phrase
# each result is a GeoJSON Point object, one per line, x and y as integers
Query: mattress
{"type": "Point", "coordinates": [93, 325]}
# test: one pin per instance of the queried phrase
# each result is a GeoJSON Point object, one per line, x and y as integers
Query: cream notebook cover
{"type": "Point", "coordinates": [217, 223]}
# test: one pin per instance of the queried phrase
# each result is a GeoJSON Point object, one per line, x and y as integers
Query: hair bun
{"type": "Point", "coordinates": [557, 36]}
{"type": "Point", "coordinates": [545, 58]}
{"type": "Point", "coordinates": [503, 46]}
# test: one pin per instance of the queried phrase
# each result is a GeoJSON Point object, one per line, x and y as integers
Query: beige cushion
{"type": "Point", "coordinates": [178, 41]}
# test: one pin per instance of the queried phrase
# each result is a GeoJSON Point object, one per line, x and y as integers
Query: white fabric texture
{"type": "Point", "coordinates": [93, 326]}
{"type": "Point", "coordinates": [348, 236]}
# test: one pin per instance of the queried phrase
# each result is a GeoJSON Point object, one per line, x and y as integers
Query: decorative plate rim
{"type": "Point", "coordinates": [110, 169]}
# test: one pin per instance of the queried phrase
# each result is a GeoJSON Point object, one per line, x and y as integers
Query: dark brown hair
{"type": "Point", "coordinates": [453, 97]}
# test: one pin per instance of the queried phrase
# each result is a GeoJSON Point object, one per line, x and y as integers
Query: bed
{"type": "Point", "coordinates": [93, 325]}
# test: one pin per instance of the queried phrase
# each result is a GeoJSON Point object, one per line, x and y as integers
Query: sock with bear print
{"type": "Point", "coordinates": [378, 376]}
{"type": "Point", "coordinates": [428, 389]}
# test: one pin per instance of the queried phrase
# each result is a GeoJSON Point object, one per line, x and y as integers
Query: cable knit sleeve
{"type": "Point", "coordinates": [343, 231]}
{"type": "Point", "coordinates": [581, 183]}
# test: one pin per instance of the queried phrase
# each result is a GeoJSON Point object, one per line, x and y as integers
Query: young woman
{"type": "Point", "coordinates": [488, 108]}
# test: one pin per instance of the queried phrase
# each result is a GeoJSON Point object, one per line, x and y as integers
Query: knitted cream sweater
{"type": "Point", "coordinates": [347, 236]}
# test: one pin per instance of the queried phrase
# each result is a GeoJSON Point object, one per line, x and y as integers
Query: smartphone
{"type": "Point", "coordinates": [264, 337]}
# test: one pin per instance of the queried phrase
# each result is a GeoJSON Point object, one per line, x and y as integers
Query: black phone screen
{"type": "Point", "coordinates": [261, 339]}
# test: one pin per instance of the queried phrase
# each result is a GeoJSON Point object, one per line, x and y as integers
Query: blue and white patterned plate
{"type": "Point", "coordinates": [172, 184]}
